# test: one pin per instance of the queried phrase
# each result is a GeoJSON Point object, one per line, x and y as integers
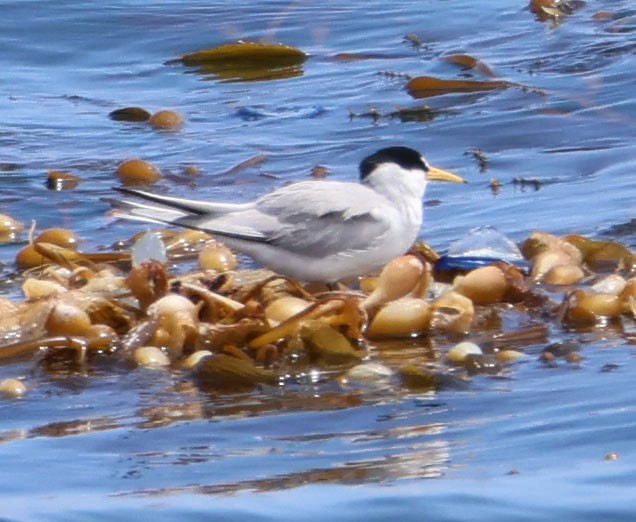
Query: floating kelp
{"type": "Point", "coordinates": [234, 330]}
{"type": "Point", "coordinates": [356, 57]}
{"type": "Point", "coordinates": [405, 317]}
{"type": "Point", "coordinates": [483, 285]}
{"type": "Point", "coordinates": [480, 158]}
{"type": "Point", "coordinates": [554, 10]}
{"type": "Point", "coordinates": [533, 183]}
{"type": "Point", "coordinates": [416, 378]}
{"type": "Point", "coordinates": [249, 163]}
{"type": "Point", "coordinates": [414, 41]}
{"type": "Point", "coordinates": [130, 114]}
{"type": "Point", "coordinates": [466, 61]}
{"type": "Point", "coordinates": [62, 237]}
{"type": "Point", "coordinates": [420, 113]}
{"type": "Point", "coordinates": [12, 388]}
{"type": "Point", "coordinates": [246, 61]}
{"type": "Point", "coordinates": [58, 246]}
{"type": "Point", "coordinates": [429, 86]}
{"type": "Point", "coordinates": [458, 353]}
{"type": "Point", "coordinates": [166, 120]}
{"type": "Point", "coordinates": [9, 228]}
{"type": "Point", "coordinates": [58, 180]}
{"type": "Point", "coordinates": [326, 344]}
{"type": "Point", "coordinates": [220, 371]}
{"type": "Point", "coordinates": [134, 172]}
{"type": "Point", "coordinates": [602, 255]}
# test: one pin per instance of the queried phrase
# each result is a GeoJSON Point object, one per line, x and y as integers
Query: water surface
{"type": "Point", "coordinates": [528, 445]}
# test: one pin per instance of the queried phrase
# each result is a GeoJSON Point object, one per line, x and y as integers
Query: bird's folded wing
{"type": "Point", "coordinates": [317, 222]}
{"type": "Point", "coordinates": [316, 218]}
{"type": "Point", "coordinates": [320, 198]}
{"type": "Point", "coordinates": [249, 225]}
{"type": "Point", "coordinates": [140, 211]}
{"type": "Point", "coordinates": [190, 206]}
{"type": "Point", "coordinates": [332, 233]}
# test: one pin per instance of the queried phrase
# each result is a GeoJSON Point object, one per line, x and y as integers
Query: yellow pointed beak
{"type": "Point", "coordinates": [435, 174]}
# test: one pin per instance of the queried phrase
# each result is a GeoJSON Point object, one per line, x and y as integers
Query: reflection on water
{"type": "Point", "coordinates": [425, 461]}
{"type": "Point", "coordinates": [409, 459]}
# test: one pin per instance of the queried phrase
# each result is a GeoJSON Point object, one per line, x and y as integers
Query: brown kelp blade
{"type": "Point", "coordinates": [246, 61]}
{"type": "Point", "coordinates": [428, 86]}
{"type": "Point", "coordinates": [466, 61]}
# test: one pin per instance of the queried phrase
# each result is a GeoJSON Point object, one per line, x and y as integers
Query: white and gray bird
{"type": "Point", "coordinates": [314, 230]}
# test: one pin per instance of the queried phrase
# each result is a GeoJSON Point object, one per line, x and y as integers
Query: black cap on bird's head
{"type": "Point", "coordinates": [408, 159]}
{"type": "Point", "coordinates": [405, 157]}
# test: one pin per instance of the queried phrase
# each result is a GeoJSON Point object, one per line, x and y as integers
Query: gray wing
{"type": "Point", "coordinates": [186, 206]}
{"type": "Point", "coordinates": [312, 217]}
{"type": "Point", "coordinates": [170, 210]}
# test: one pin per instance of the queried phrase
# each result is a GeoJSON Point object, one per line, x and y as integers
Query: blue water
{"type": "Point", "coordinates": [113, 445]}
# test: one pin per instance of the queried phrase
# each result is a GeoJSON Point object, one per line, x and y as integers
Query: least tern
{"type": "Point", "coordinates": [314, 230]}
